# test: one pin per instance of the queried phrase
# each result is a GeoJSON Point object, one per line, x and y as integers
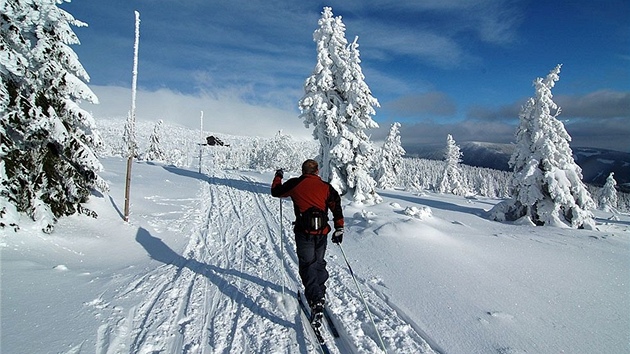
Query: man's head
{"type": "Point", "coordinates": [310, 167]}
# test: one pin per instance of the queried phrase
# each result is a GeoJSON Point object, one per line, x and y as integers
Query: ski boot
{"type": "Point", "coordinates": [317, 312]}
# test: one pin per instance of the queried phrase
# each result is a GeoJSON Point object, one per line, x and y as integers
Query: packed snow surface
{"type": "Point", "coordinates": [206, 264]}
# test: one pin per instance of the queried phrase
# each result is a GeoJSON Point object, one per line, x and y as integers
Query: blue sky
{"type": "Point", "coordinates": [460, 67]}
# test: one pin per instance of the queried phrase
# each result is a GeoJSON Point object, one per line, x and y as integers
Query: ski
{"type": "Point", "coordinates": [316, 330]}
{"type": "Point", "coordinates": [331, 324]}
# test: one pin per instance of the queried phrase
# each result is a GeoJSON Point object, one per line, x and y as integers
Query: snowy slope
{"type": "Point", "coordinates": [199, 269]}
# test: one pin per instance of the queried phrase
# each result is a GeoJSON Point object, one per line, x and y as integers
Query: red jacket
{"type": "Point", "coordinates": [309, 191]}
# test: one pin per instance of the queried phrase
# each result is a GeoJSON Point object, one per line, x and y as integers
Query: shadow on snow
{"type": "Point", "coordinates": [436, 204]}
{"type": "Point", "coordinates": [160, 252]}
{"type": "Point", "coordinates": [244, 185]}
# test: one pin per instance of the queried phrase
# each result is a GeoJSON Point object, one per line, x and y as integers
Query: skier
{"type": "Point", "coordinates": [312, 198]}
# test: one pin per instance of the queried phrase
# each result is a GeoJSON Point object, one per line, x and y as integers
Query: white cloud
{"type": "Point", "coordinates": [224, 114]}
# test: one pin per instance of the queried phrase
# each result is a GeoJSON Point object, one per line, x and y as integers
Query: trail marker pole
{"type": "Point", "coordinates": [132, 116]}
{"type": "Point", "coordinates": [200, 141]}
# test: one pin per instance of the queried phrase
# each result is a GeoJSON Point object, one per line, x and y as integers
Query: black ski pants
{"type": "Point", "coordinates": [310, 251]}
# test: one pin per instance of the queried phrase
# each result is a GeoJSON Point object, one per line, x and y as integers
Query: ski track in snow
{"type": "Point", "coordinates": [224, 293]}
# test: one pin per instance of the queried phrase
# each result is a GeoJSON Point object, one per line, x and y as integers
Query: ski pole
{"type": "Point", "coordinates": [282, 250]}
{"type": "Point", "coordinates": [363, 298]}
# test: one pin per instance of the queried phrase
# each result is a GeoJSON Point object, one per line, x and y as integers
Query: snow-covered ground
{"type": "Point", "coordinates": [199, 269]}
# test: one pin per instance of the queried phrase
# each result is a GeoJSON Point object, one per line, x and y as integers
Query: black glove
{"type": "Point", "coordinates": [280, 173]}
{"type": "Point", "coordinates": [337, 236]}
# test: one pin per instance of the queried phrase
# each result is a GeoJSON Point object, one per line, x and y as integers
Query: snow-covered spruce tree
{"type": "Point", "coordinates": [452, 180]}
{"type": "Point", "coordinates": [48, 164]}
{"type": "Point", "coordinates": [339, 105]}
{"type": "Point", "coordinates": [547, 183]}
{"type": "Point", "coordinates": [391, 158]}
{"type": "Point", "coordinates": [155, 151]}
{"type": "Point", "coordinates": [608, 195]}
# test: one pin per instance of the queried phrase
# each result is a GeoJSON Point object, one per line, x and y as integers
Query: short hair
{"type": "Point", "coordinates": [310, 167]}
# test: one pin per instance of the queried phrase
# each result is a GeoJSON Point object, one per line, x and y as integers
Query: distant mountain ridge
{"type": "Point", "coordinates": [596, 163]}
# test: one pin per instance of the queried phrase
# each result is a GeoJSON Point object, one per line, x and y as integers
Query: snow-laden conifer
{"type": "Point", "coordinates": [391, 158]}
{"type": "Point", "coordinates": [340, 106]}
{"type": "Point", "coordinates": [155, 151]}
{"type": "Point", "coordinates": [452, 178]}
{"type": "Point", "coordinates": [547, 183]}
{"type": "Point", "coordinates": [608, 195]}
{"type": "Point", "coordinates": [46, 140]}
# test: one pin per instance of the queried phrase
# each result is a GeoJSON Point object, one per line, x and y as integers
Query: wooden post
{"type": "Point", "coordinates": [127, 186]}
{"type": "Point", "coordinates": [132, 117]}
{"type": "Point", "coordinates": [200, 141]}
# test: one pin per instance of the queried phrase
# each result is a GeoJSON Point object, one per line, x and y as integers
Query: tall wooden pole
{"type": "Point", "coordinates": [132, 118]}
{"type": "Point", "coordinates": [200, 141]}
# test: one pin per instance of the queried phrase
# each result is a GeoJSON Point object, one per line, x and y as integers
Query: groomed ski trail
{"type": "Point", "coordinates": [223, 294]}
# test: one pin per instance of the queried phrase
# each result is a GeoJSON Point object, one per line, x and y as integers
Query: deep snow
{"type": "Point", "coordinates": [198, 269]}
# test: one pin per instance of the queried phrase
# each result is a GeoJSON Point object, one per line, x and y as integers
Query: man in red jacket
{"type": "Point", "coordinates": [312, 198]}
